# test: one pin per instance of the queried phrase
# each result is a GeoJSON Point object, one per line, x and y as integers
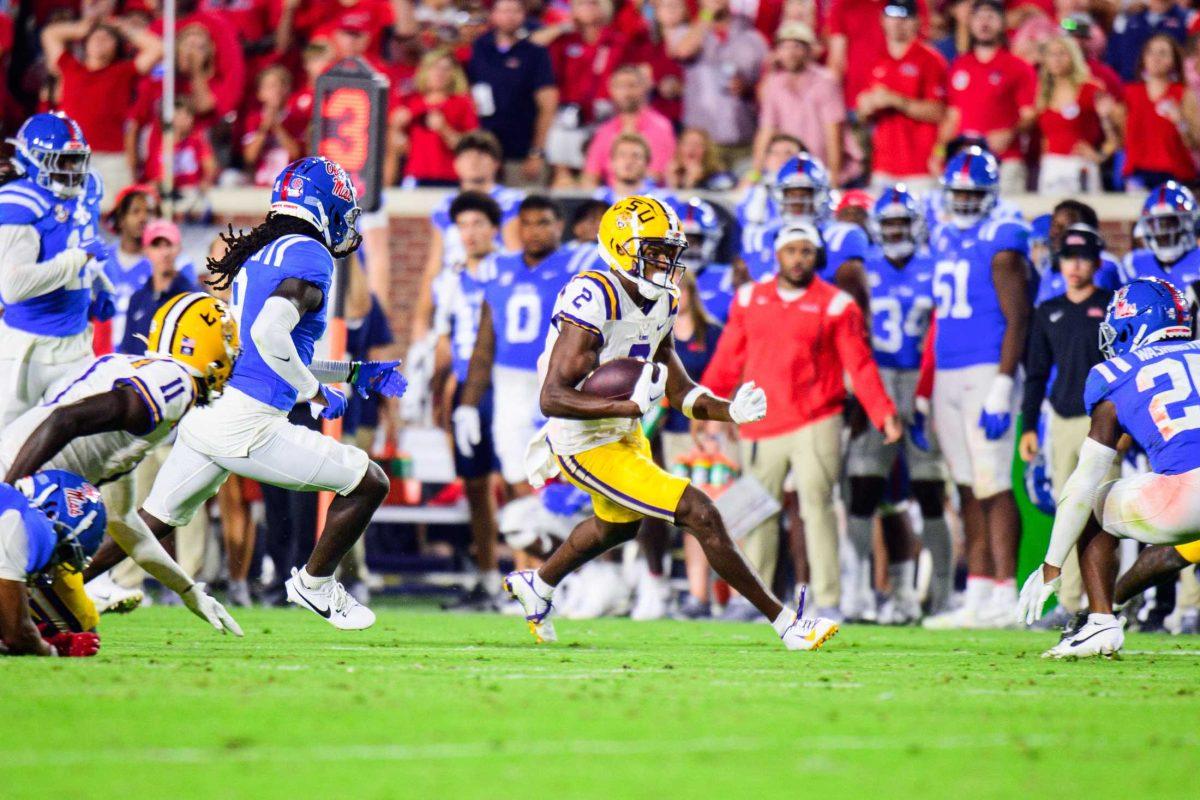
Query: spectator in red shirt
{"type": "Point", "coordinates": [434, 120]}
{"type": "Point", "coordinates": [209, 61]}
{"type": "Point", "coordinates": [630, 95]}
{"type": "Point", "coordinates": [195, 163]}
{"type": "Point", "coordinates": [992, 94]}
{"type": "Point", "coordinates": [905, 102]}
{"type": "Point", "coordinates": [1090, 37]}
{"type": "Point", "coordinates": [796, 336]}
{"type": "Point", "coordinates": [317, 57]}
{"type": "Point", "coordinates": [666, 74]}
{"type": "Point", "coordinates": [1162, 119]}
{"type": "Point", "coordinates": [856, 42]}
{"type": "Point", "coordinates": [1075, 118]}
{"type": "Point", "coordinates": [91, 88]}
{"type": "Point", "coordinates": [274, 132]}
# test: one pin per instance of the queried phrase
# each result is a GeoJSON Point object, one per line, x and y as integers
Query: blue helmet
{"type": "Point", "coordinates": [1144, 311]}
{"type": "Point", "coordinates": [1039, 230]}
{"type": "Point", "coordinates": [76, 510]}
{"type": "Point", "coordinates": [52, 151]}
{"type": "Point", "coordinates": [970, 186]}
{"type": "Point", "coordinates": [801, 189]}
{"type": "Point", "coordinates": [897, 222]}
{"type": "Point", "coordinates": [1168, 222]}
{"type": "Point", "coordinates": [320, 192]}
{"type": "Point", "coordinates": [703, 227]}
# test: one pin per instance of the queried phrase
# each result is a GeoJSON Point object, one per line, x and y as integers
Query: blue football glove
{"type": "Point", "coordinates": [335, 403]}
{"type": "Point", "coordinates": [996, 416]}
{"type": "Point", "coordinates": [381, 377]}
{"type": "Point", "coordinates": [96, 248]}
{"type": "Point", "coordinates": [918, 432]}
{"type": "Point", "coordinates": [103, 307]}
{"type": "Point", "coordinates": [994, 425]}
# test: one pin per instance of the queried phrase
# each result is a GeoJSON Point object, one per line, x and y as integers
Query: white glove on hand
{"type": "Point", "coordinates": [208, 609]}
{"type": "Point", "coordinates": [651, 386]}
{"type": "Point", "coordinates": [748, 405]}
{"type": "Point", "coordinates": [999, 396]}
{"type": "Point", "coordinates": [1034, 595]}
{"type": "Point", "coordinates": [468, 431]}
{"type": "Point", "coordinates": [97, 277]}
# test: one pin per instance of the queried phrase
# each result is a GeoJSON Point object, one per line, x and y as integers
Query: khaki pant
{"type": "Point", "coordinates": [129, 493]}
{"type": "Point", "coordinates": [1066, 435]}
{"type": "Point", "coordinates": [813, 453]}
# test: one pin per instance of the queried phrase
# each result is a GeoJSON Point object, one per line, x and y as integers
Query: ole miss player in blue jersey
{"type": "Point", "coordinates": [1168, 229]}
{"type": "Point", "coordinates": [704, 229]}
{"type": "Point", "coordinates": [802, 194]}
{"type": "Point", "coordinates": [281, 273]}
{"type": "Point", "coordinates": [981, 282]}
{"type": "Point", "coordinates": [1148, 388]}
{"type": "Point", "coordinates": [900, 273]}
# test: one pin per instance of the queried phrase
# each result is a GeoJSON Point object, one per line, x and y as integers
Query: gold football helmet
{"type": "Point", "coordinates": [198, 331]}
{"type": "Point", "coordinates": [642, 231]}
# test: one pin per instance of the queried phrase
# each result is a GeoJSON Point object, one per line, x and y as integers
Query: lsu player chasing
{"type": "Point", "coordinates": [281, 274]}
{"type": "Point", "coordinates": [51, 263]}
{"type": "Point", "coordinates": [1148, 388]}
{"type": "Point", "coordinates": [49, 524]}
{"type": "Point", "coordinates": [597, 443]}
{"type": "Point", "coordinates": [101, 422]}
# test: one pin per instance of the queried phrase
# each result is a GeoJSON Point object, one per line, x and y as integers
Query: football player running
{"type": "Point", "coordinates": [597, 443]}
{"type": "Point", "coordinates": [802, 194]}
{"type": "Point", "coordinates": [983, 308]}
{"type": "Point", "coordinates": [51, 263]}
{"type": "Point", "coordinates": [281, 273]}
{"type": "Point", "coordinates": [49, 524]}
{"type": "Point", "coordinates": [1148, 388]}
{"type": "Point", "coordinates": [900, 272]}
{"type": "Point", "coordinates": [101, 422]}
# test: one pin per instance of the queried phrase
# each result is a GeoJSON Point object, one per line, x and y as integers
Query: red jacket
{"type": "Point", "coordinates": [797, 351]}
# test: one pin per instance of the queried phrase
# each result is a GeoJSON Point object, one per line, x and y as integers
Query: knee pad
{"type": "Point", "coordinates": [930, 497]}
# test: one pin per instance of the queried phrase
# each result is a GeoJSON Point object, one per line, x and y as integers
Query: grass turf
{"type": "Point", "coordinates": [437, 705]}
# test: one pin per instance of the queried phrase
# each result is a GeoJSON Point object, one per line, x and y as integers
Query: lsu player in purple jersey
{"type": "Point", "coordinates": [704, 230]}
{"type": "Point", "coordinates": [1149, 388]}
{"type": "Point", "coordinates": [900, 273]}
{"type": "Point", "coordinates": [981, 283]}
{"type": "Point", "coordinates": [1168, 229]}
{"type": "Point", "coordinates": [802, 194]}
{"type": "Point", "coordinates": [281, 273]}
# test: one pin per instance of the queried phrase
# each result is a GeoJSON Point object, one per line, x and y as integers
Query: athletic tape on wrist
{"type": "Point", "coordinates": [691, 398]}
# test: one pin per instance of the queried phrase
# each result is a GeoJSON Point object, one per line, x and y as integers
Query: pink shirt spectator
{"type": "Point", "coordinates": [653, 126]}
{"type": "Point", "coordinates": [802, 104]}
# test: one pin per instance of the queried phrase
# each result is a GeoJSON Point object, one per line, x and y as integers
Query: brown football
{"type": "Point", "coordinates": [614, 380]}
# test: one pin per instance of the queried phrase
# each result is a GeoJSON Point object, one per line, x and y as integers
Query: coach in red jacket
{"type": "Point", "coordinates": [796, 336]}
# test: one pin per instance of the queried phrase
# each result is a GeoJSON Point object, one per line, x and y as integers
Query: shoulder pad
{"type": "Point", "coordinates": [21, 204]}
{"type": "Point", "coordinates": [745, 293]}
{"type": "Point", "coordinates": [1102, 379]}
{"type": "Point", "coordinates": [839, 303]}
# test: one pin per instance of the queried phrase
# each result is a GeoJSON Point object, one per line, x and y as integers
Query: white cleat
{"type": "Point", "coordinates": [1102, 635]}
{"type": "Point", "coordinates": [965, 618]}
{"type": "Point", "coordinates": [519, 586]}
{"type": "Point", "coordinates": [109, 597]}
{"type": "Point", "coordinates": [653, 596]}
{"type": "Point", "coordinates": [809, 634]}
{"type": "Point", "coordinates": [331, 601]}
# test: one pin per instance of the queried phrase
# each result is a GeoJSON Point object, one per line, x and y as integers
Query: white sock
{"type": "Point", "coordinates": [858, 529]}
{"type": "Point", "coordinates": [784, 620]}
{"type": "Point", "coordinates": [541, 587]}
{"type": "Point", "coordinates": [311, 582]}
{"type": "Point", "coordinates": [902, 576]}
{"type": "Point", "coordinates": [490, 581]}
{"type": "Point", "coordinates": [979, 589]}
{"type": "Point", "coordinates": [1102, 619]}
{"type": "Point", "coordinates": [1005, 591]}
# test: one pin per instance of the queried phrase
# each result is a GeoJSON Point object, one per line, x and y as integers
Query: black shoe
{"type": "Point", "coordinates": [691, 607]}
{"type": "Point", "coordinates": [476, 600]}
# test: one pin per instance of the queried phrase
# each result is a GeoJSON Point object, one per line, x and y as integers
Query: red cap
{"type": "Point", "coordinates": [135, 188]}
{"type": "Point", "coordinates": [355, 21]}
{"type": "Point", "coordinates": [855, 198]}
{"type": "Point", "coordinates": [161, 229]}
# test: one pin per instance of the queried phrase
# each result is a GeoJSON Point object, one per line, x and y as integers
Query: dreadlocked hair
{"type": "Point", "coordinates": [244, 244]}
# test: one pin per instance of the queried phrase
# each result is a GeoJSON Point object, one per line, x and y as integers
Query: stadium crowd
{"type": "Point", "coordinates": [801, 110]}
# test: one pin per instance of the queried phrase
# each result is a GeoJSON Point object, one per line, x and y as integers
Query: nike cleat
{"type": "Point", "coordinates": [807, 633]}
{"type": "Point", "coordinates": [519, 586]}
{"type": "Point", "coordinates": [109, 597]}
{"type": "Point", "coordinates": [331, 601]}
{"type": "Point", "coordinates": [1102, 635]}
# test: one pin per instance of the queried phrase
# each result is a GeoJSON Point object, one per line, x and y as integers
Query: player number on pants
{"type": "Point", "coordinates": [950, 288]}
{"type": "Point", "coordinates": [523, 319]}
{"type": "Point", "coordinates": [1183, 384]}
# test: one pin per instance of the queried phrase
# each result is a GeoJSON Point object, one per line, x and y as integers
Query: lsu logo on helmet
{"type": "Point", "coordinates": [198, 331]}
{"type": "Point", "coordinates": [640, 232]}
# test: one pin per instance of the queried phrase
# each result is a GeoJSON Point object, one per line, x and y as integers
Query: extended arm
{"type": "Point", "coordinates": [575, 354]}
{"type": "Point", "coordinates": [22, 276]}
{"type": "Point", "coordinates": [698, 402]}
{"type": "Point", "coordinates": [1012, 290]}
{"type": "Point", "coordinates": [272, 333]}
{"type": "Point", "coordinates": [1078, 499]}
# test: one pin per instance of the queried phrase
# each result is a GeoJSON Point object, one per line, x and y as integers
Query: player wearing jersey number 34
{"type": "Point", "coordinates": [597, 444]}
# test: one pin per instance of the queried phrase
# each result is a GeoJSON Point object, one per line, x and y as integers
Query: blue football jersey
{"type": "Point", "coordinates": [1051, 284]}
{"type": "Point", "coordinates": [970, 324]}
{"type": "Point", "coordinates": [843, 241]}
{"type": "Point", "coordinates": [60, 224]}
{"type": "Point", "coordinates": [1156, 391]}
{"type": "Point", "coordinates": [714, 284]}
{"type": "Point", "coordinates": [509, 201]}
{"type": "Point", "coordinates": [584, 256]}
{"type": "Point", "coordinates": [458, 295]}
{"type": "Point", "coordinates": [522, 301]}
{"type": "Point", "coordinates": [1182, 274]}
{"type": "Point", "coordinates": [291, 256]}
{"type": "Point", "coordinates": [901, 308]}
{"type": "Point", "coordinates": [39, 532]}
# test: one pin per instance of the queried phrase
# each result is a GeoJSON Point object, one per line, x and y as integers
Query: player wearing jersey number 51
{"type": "Point", "coordinates": [797, 336]}
{"type": "Point", "coordinates": [597, 443]}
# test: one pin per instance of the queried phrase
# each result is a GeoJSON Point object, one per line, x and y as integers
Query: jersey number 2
{"type": "Point", "coordinates": [1184, 384]}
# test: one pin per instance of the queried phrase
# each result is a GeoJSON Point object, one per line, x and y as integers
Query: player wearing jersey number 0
{"type": "Point", "coordinates": [597, 444]}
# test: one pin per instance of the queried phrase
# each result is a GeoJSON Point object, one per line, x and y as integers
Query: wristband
{"type": "Point", "coordinates": [690, 400]}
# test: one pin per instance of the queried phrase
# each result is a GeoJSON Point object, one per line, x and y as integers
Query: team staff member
{"type": "Point", "coordinates": [795, 335]}
{"type": "Point", "coordinates": [1064, 337]}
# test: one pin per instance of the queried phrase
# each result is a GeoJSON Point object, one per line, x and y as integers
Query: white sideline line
{"type": "Point", "coordinates": [497, 748]}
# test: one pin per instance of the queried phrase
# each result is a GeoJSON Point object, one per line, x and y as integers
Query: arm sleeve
{"type": "Point", "coordinates": [22, 276]}
{"type": "Point", "coordinates": [133, 536]}
{"type": "Point", "coordinates": [331, 371]}
{"type": "Point", "coordinates": [859, 362]}
{"type": "Point", "coordinates": [272, 335]}
{"type": "Point", "coordinates": [1037, 371]}
{"type": "Point", "coordinates": [724, 371]}
{"type": "Point", "coordinates": [1076, 504]}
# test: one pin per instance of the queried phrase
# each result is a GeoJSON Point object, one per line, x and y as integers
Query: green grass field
{"type": "Point", "coordinates": [444, 706]}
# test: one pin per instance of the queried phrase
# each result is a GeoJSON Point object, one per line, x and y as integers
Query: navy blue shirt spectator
{"type": "Point", "coordinates": [1131, 30]}
{"type": "Point", "coordinates": [142, 305]}
{"type": "Point", "coordinates": [363, 336]}
{"type": "Point", "coordinates": [694, 354]}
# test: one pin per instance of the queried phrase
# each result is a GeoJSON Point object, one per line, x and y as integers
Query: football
{"type": "Point", "coordinates": [614, 380]}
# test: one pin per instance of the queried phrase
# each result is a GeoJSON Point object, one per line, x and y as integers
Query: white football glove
{"type": "Point", "coordinates": [468, 430]}
{"type": "Point", "coordinates": [748, 405]}
{"type": "Point", "coordinates": [208, 609]}
{"type": "Point", "coordinates": [1034, 595]}
{"type": "Point", "coordinates": [650, 387]}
